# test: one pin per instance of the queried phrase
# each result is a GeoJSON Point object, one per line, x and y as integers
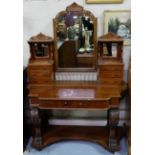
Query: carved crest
{"type": "Point", "coordinates": [77, 9]}
{"type": "Point", "coordinates": [40, 38]}
{"type": "Point", "coordinates": [74, 7]}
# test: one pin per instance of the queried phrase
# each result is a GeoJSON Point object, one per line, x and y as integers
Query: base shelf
{"type": "Point", "coordinates": [99, 135]}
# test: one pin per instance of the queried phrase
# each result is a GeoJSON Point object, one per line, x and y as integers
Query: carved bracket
{"type": "Point", "coordinates": [113, 117]}
{"type": "Point", "coordinates": [35, 117]}
{"type": "Point", "coordinates": [36, 122]}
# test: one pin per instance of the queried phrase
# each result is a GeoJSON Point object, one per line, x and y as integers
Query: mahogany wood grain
{"type": "Point", "coordinates": [97, 135]}
{"type": "Point", "coordinates": [47, 94]}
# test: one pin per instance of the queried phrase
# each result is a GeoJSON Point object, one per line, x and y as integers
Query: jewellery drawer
{"type": "Point", "coordinates": [39, 73]}
{"type": "Point", "coordinates": [111, 80]}
{"type": "Point", "coordinates": [39, 80]}
{"type": "Point", "coordinates": [43, 68]}
{"type": "Point", "coordinates": [39, 70]}
{"type": "Point", "coordinates": [111, 68]}
{"type": "Point", "coordinates": [73, 104]}
{"type": "Point", "coordinates": [113, 74]}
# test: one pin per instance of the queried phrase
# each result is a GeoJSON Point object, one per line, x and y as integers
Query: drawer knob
{"type": "Point", "coordinates": [80, 103]}
{"type": "Point", "coordinates": [65, 103]}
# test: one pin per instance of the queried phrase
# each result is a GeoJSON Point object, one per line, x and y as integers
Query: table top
{"type": "Point", "coordinates": [65, 90]}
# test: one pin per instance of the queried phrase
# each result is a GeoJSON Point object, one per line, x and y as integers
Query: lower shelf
{"type": "Point", "coordinates": [95, 134]}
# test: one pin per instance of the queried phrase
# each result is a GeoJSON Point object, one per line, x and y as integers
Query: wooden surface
{"type": "Point", "coordinates": [75, 90]}
{"type": "Point", "coordinates": [46, 93]}
{"type": "Point", "coordinates": [111, 69]}
{"type": "Point", "coordinates": [75, 95]}
{"type": "Point", "coordinates": [98, 135]}
{"type": "Point", "coordinates": [111, 72]}
{"type": "Point", "coordinates": [40, 72]}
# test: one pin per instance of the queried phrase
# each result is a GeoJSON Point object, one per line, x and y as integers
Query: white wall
{"type": "Point", "coordinates": [38, 15]}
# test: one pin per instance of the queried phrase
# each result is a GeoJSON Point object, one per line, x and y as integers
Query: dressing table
{"type": "Point", "coordinates": [68, 72]}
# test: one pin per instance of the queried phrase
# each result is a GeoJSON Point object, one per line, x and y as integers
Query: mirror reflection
{"type": "Point", "coordinates": [75, 41]}
{"type": "Point", "coordinates": [41, 50]}
{"type": "Point", "coordinates": [110, 50]}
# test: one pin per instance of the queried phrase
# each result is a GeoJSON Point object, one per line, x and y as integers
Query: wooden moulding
{"type": "Point", "coordinates": [40, 38]}
{"type": "Point", "coordinates": [110, 37]}
{"type": "Point", "coordinates": [74, 7]}
{"type": "Point", "coordinates": [103, 1]}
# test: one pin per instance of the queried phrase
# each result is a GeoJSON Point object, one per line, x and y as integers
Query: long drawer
{"type": "Point", "coordinates": [73, 104]}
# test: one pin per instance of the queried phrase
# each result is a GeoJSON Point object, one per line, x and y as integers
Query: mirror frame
{"type": "Point", "coordinates": [75, 8]}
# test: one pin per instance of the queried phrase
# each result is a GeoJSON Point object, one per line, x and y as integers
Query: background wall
{"type": "Point", "coordinates": [38, 15]}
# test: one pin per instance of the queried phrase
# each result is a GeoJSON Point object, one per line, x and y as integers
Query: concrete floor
{"type": "Point", "coordinates": [75, 148]}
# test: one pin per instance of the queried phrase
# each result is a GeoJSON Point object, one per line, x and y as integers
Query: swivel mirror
{"type": "Point", "coordinates": [75, 39]}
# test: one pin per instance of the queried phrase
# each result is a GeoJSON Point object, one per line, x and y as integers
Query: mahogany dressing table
{"type": "Point", "coordinates": [90, 80]}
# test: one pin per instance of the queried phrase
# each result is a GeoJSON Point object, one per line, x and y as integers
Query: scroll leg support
{"type": "Point", "coordinates": [113, 119]}
{"type": "Point", "coordinates": [36, 124]}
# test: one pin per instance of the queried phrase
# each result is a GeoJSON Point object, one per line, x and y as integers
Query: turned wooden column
{"type": "Point", "coordinates": [113, 119]}
{"type": "Point", "coordinates": [36, 125]}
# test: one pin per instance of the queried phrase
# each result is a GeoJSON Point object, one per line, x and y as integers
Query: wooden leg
{"type": "Point", "coordinates": [36, 124]}
{"type": "Point", "coordinates": [113, 118]}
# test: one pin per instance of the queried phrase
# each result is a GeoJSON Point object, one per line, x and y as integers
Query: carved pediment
{"type": "Point", "coordinates": [40, 38]}
{"type": "Point", "coordinates": [74, 7]}
{"type": "Point", "coordinates": [110, 37]}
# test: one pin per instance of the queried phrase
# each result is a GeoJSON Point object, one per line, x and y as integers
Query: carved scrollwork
{"type": "Point", "coordinates": [35, 118]}
{"type": "Point", "coordinates": [38, 137]}
{"type": "Point", "coordinates": [74, 7]}
{"type": "Point", "coordinates": [113, 117]}
{"type": "Point", "coordinates": [40, 38]}
{"type": "Point", "coordinates": [113, 144]}
{"type": "Point", "coordinates": [36, 122]}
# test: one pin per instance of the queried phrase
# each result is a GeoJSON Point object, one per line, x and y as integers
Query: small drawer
{"type": "Point", "coordinates": [109, 74]}
{"type": "Point", "coordinates": [111, 68]}
{"type": "Point", "coordinates": [39, 71]}
{"type": "Point", "coordinates": [111, 80]}
{"type": "Point", "coordinates": [39, 80]}
{"type": "Point", "coordinates": [39, 68]}
{"type": "Point", "coordinates": [40, 74]}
